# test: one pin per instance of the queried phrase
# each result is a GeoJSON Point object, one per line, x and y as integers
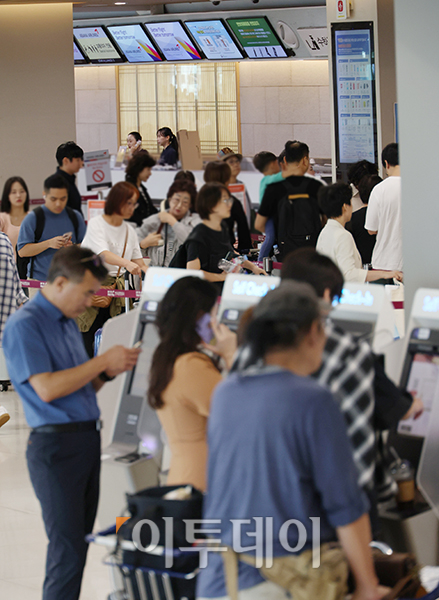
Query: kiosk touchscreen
{"type": "Point", "coordinates": [239, 293]}
{"type": "Point", "coordinates": [131, 436]}
{"type": "Point", "coordinates": [366, 312]}
{"type": "Point", "coordinates": [420, 374]}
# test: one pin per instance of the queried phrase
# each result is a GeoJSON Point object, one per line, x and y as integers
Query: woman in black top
{"type": "Point", "coordinates": [138, 171]}
{"type": "Point", "coordinates": [209, 241]}
{"type": "Point", "coordinates": [364, 241]}
{"type": "Point", "coordinates": [168, 141]}
{"type": "Point", "coordinates": [221, 172]}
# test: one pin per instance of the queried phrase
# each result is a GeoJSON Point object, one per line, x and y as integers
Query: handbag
{"type": "Point", "coordinates": [105, 301]}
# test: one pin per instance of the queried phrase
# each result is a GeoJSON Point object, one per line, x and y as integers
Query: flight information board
{"type": "Point", "coordinates": [257, 37]}
{"type": "Point", "coordinates": [173, 41]}
{"type": "Point", "coordinates": [134, 43]}
{"type": "Point", "coordinates": [354, 92]}
{"type": "Point", "coordinates": [214, 40]}
{"type": "Point", "coordinates": [96, 45]}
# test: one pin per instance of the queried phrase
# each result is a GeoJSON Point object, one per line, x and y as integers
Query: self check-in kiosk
{"type": "Point", "coordinates": [131, 436]}
{"type": "Point", "coordinates": [240, 292]}
{"type": "Point", "coordinates": [365, 311]}
{"type": "Point", "coordinates": [417, 440]}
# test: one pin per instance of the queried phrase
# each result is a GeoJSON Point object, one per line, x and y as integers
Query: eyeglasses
{"type": "Point", "coordinates": [94, 259]}
{"type": "Point", "coordinates": [228, 201]}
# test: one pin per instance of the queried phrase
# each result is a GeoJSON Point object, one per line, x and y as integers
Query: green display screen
{"type": "Point", "coordinates": [257, 37]}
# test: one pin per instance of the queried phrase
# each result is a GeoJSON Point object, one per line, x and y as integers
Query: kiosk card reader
{"type": "Point", "coordinates": [131, 436]}
{"type": "Point", "coordinates": [239, 293]}
{"type": "Point", "coordinates": [365, 311]}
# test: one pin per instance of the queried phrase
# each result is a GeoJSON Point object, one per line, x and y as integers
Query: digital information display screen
{"type": "Point", "coordinates": [173, 41]}
{"type": "Point", "coordinates": [355, 98]}
{"type": "Point", "coordinates": [214, 39]}
{"type": "Point", "coordinates": [78, 58]}
{"type": "Point", "coordinates": [134, 43]}
{"type": "Point", "coordinates": [257, 38]}
{"type": "Point", "coordinates": [96, 45]}
{"type": "Point", "coordinates": [423, 380]}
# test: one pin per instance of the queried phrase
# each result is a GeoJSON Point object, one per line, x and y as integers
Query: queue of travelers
{"type": "Point", "coordinates": [278, 424]}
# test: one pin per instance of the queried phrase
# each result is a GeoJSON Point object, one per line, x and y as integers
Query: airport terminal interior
{"type": "Point", "coordinates": [222, 81]}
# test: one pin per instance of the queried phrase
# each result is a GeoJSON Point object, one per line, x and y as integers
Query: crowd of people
{"type": "Point", "coordinates": [278, 422]}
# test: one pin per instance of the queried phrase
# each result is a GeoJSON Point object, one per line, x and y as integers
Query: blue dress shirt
{"type": "Point", "coordinates": [40, 339]}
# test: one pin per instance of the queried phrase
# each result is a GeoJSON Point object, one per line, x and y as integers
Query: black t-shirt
{"type": "Point", "coordinates": [237, 215]}
{"type": "Point", "coordinates": [276, 191]}
{"type": "Point", "coordinates": [209, 246]}
{"type": "Point", "coordinates": [168, 156]}
{"type": "Point", "coordinates": [364, 241]}
{"type": "Point", "coordinates": [74, 199]}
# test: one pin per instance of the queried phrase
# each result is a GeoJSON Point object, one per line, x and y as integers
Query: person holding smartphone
{"type": "Point", "coordinates": [49, 228]}
{"type": "Point", "coordinates": [185, 370]}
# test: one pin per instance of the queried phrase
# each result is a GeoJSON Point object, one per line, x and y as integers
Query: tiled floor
{"type": "Point", "coordinates": [22, 536]}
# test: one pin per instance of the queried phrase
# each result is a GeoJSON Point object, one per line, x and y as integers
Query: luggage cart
{"type": "Point", "coordinates": [132, 582]}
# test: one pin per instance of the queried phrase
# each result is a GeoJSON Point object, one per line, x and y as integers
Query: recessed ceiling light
{"type": "Point", "coordinates": [119, 3]}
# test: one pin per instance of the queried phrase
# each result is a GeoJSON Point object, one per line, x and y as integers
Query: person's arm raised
{"type": "Point", "coordinates": [50, 386]}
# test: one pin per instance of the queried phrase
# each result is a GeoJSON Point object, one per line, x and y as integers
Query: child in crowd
{"type": "Point", "coordinates": [270, 167]}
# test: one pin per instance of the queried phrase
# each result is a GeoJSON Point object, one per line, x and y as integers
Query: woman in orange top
{"type": "Point", "coordinates": [185, 371]}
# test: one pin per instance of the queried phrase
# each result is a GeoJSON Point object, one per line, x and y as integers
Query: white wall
{"type": "Point", "coordinates": [96, 108]}
{"type": "Point", "coordinates": [285, 100]}
{"type": "Point", "coordinates": [36, 90]}
{"type": "Point", "coordinates": [418, 90]}
{"type": "Point", "coordinates": [279, 101]}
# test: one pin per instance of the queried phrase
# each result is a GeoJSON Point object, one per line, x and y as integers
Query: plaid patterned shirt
{"type": "Point", "coordinates": [11, 292]}
{"type": "Point", "coordinates": [348, 370]}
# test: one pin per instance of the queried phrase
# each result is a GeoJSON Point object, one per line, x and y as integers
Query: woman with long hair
{"type": "Point", "coordinates": [168, 141]}
{"type": "Point", "coordinates": [184, 372]}
{"type": "Point", "coordinates": [14, 207]}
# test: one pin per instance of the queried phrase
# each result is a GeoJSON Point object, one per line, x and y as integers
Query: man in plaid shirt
{"type": "Point", "coordinates": [11, 293]}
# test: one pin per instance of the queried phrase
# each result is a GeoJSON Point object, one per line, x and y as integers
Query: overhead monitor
{"type": "Point", "coordinates": [96, 45]}
{"type": "Point", "coordinates": [214, 40]}
{"type": "Point", "coordinates": [353, 59]}
{"type": "Point", "coordinates": [78, 56]}
{"type": "Point", "coordinates": [134, 43]}
{"type": "Point", "coordinates": [257, 38]}
{"type": "Point", "coordinates": [173, 41]}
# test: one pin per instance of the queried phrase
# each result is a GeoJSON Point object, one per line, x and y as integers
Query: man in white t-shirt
{"type": "Point", "coordinates": [383, 216]}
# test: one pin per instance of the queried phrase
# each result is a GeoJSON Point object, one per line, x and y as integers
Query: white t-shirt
{"type": "Point", "coordinates": [337, 243]}
{"type": "Point", "coordinates": [101, 236]}
{"type": "Point", "coordinates": [384, 216]}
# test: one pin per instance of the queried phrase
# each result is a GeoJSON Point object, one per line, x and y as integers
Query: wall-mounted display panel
{"type": "Point", "coordinates": [134, 43]}
{"type": "Point", "coordinates": [214, 40]}
{"type": "Point", "coordinates": [257, 37]}
{"type": "Point", "coordinates": [173, 41]}
{"type": "Point", "coordinates": [353, 58]}
{"type": "Point", "coordinates": [97, 46]}
{"type": "Point", "coordinates": [78, 56]}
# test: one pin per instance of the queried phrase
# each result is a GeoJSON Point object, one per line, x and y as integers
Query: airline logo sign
{"type": "Point", "coordinates": [342, 9]}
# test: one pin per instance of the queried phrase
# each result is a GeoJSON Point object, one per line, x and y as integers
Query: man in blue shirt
{"type": "Point", "coordinates": [57, 383]}
{"type": "Point", "coordinates": [61, 227]}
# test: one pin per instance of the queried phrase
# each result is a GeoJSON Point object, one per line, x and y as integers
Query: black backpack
{"type": "Point", "coordinates": [298, 219]}
{"type": "Point", "coordinates": [179, 260]}
{"type": "Point", "coordinates": [23, 261]}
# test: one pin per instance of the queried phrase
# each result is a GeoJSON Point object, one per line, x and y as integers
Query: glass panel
{"type": "Point", "coordinates": [146, 82]}
{"type": "Point", "coordinates": [127, 102]}
{"type": "Point", "coordinates": [199, 97]}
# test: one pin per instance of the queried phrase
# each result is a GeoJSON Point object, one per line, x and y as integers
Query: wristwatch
{"type": "Point", "coordinates": [104, 377]}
